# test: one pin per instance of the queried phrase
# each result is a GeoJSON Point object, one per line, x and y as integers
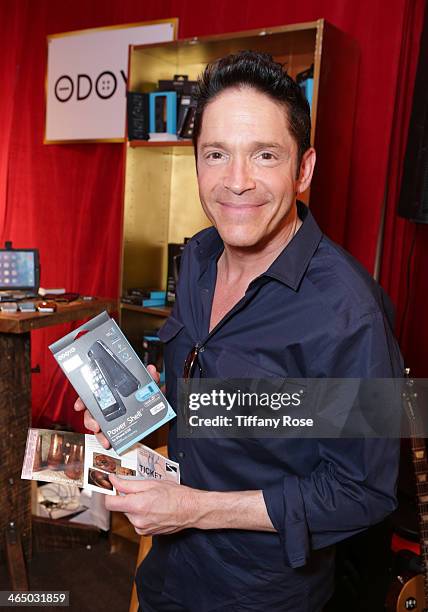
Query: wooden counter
{"type": "Point", "coordinates": [20, 322]}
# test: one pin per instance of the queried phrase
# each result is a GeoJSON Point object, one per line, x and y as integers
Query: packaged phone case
{"type": "Point", "coordinates": [112, 381]}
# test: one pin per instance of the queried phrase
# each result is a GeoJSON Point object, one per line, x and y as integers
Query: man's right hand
{"type": "Point", "coordinates": [93, 425]}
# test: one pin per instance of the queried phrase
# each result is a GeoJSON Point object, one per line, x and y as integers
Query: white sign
{"type": "Point", "coordinates": [86, 80]}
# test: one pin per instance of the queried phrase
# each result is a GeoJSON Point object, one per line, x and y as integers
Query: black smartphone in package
{"type": "Point", "coordinates": [112, 381]}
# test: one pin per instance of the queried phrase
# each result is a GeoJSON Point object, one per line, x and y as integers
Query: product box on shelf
{"type": "Point", "coordinates": [112, 381]}
{"type": "Point", "coordinates": [138, 115]}
{"type": "Point", "coordinates": [175, 251]}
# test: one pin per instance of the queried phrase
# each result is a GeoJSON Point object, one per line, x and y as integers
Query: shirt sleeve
{"type": "Point", "coordinates": [354, 484]}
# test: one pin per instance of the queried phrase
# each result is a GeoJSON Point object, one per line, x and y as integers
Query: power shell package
{"type": "Point", "coordinates": [112, 382]}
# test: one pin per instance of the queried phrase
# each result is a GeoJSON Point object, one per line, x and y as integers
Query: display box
{"type": "Point", "coordinates": [112, 382]}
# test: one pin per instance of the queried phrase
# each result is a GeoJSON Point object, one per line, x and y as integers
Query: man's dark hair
{"type": "Point", "coordinates": [262, 73]}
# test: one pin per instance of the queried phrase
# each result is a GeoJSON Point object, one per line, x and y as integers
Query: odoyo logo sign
{"type": "Point", "coordinates": [87, 77]}
{"type": "Point", "coordinates": [82, 86]}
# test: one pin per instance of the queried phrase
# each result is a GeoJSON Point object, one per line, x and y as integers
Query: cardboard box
{"type": "Point", "coordinates": [112, 382]}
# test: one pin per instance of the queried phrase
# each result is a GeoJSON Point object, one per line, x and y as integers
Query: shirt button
{"type": "Point", "coordinates": [181, 454]}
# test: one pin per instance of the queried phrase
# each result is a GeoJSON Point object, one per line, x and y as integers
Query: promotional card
{"type": "Point", "coordinates": [76, 459]}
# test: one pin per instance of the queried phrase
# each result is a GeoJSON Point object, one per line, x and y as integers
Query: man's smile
{"type": "Point", "coordinates": [241, 207]}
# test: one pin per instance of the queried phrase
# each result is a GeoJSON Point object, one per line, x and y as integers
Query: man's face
{"type": "Point", "coordinates": [247, 164]}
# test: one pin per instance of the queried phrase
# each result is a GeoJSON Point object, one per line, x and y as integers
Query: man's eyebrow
{"type": "Point", "coordinates": [254, 145]}
{"type": "Point", "coordinates": [267, 145]}
{"type": "Point", "coordinates": [213, 145]}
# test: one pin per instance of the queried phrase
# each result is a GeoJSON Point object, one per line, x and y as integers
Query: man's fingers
{"type": "Point", "coordinates": [103, 440]}
{"type": "Point", "coordinates": [139, 531]}
{"type": "Point", "coordinates": [79, 405]}
{"type": "Point", "coordinates": [154, 373]}
{"type": "Point", "coordinates": [90, 422]}
{"type": "Point", "coordinates": [123, 485]}
{"type": "Point", "coordinates": [156, 376]}
{"type": "Point", "coordinates": [93, 425]}
{"type": "Point", "coordinates": [121, 503]}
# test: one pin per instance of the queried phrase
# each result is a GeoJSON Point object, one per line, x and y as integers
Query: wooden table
{"type": "Point", "coordinates": [15, 418]}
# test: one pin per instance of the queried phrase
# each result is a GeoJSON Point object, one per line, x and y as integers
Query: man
{"type": "Point", "coordinates": [261, 294]}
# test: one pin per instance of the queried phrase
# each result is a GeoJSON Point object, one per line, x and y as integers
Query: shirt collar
{"type": "Point", "coordinates": [290, 265]}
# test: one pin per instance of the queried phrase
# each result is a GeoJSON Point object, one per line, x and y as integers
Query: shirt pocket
{"type": "Point", "coordinates": [170, 329]}
{"type": "Point", "coordinates": [176, 347]}
{"type": "Point", "coordinates": [239, 372]}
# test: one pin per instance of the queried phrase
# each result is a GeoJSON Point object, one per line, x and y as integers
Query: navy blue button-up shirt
{"type": "Point", "coordinates": [314, 313]}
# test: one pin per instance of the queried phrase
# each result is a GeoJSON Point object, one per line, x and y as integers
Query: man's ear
{"type": "Point", "coordinates": [306, 171]}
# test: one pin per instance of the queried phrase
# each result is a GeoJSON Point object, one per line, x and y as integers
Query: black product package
{"type": "Point", "coordinates": [186, 116]}
{"type": "Point", "coordinates": [137, 106]}
{"type": "Point", "coordinates": [174, 257]}
{"type": "Point", "coordinates": [112, 382]}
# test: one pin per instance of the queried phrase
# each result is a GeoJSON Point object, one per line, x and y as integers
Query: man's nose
{"type": "Point", "coordinates": [238, 177]}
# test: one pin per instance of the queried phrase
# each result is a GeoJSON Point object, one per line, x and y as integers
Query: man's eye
{"type": "Point", "coordinates": [266, 155]}
{"type": "Point", "coordinates": [214, 155]}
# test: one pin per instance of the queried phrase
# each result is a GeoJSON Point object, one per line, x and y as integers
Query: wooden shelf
{"type": "Point", "coordinates": [162, 311]}
{"type": "Point", "coordinates": [160, 143]}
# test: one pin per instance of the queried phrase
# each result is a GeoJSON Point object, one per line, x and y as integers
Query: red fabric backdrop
{"type": "Point", "coordinates": [66, 199]}
{"type": "Point", "coordinates": [405, 250]}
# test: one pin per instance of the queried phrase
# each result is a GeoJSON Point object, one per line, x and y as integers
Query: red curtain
{"type": "Point", "coordinates": [405, 247]}
{"type": "Point", "coordinates": [66, 199]}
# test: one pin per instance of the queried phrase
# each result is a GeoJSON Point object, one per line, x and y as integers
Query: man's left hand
{"type": "Point", "coordinates": [154, 507]}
